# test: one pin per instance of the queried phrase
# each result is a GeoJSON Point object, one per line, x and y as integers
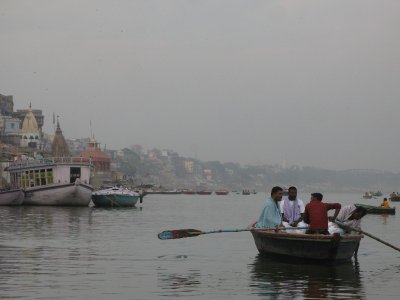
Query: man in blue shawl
{"type": "Point", "coordinates": [271, 214]}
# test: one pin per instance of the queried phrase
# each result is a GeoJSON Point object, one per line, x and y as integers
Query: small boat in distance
{"type": "Point", "coordinates": [246, 192]}
{"type": "Point", "coordinates": [377, 210]}
{"type": "Point", "coordinates": [376, 194]}
{"type": "Point", "coordinates": [394, 197]}
{"type": "Point", "coordinates": [12, 197]}
{"type": "Point", "coordinates": [316, 247]}
{"type": "Point", "coordinates": [222, 192]}
{"type": "Point", "coordinates": [285, 191]}
{"type": "Point", "coordinates": [367, 195]}
{"type": "Point", "coordinates": [204, 192]}
{"type": "Point", "coordinates": [115, 197]}
{"type": "Point", "coordinates": [188, 192]}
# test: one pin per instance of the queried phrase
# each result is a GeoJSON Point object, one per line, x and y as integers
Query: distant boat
{"type": "Point", "coordinates": [376, 194]}
{"type": "Point", "coordinates": [394, 197]}
{"type": "Point", "coordinates": [285, 192]}
{"type": "Point", "coordinates": [171, 192]}
{"type": "Point", "coordinates": [222, 192]}
{"type": "Point", "coordinates": [367, 195]}
{"type": "Point", "coordinates": [115, 197]}
{"type": "Point", "coordinates": [58, 181]}
{"type": "Point", "coordinates": [377, 209]}
{"type": "Point", "coordinates": [11, 197]}
{"type": "Point", "coordinates": [188, 192]}
{"type": "Point", "coordinates": [163, 192]}
{"type": "Point", "coordinates": [204, 192]}
{"type": "Point", "coordinates": [245, 192]}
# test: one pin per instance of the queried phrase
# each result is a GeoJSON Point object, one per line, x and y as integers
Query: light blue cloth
{"type": "Point", "coordinates": [270, 215]}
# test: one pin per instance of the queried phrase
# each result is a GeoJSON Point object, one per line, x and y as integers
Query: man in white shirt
{"type": "Point", "coordinates": [292, 209]}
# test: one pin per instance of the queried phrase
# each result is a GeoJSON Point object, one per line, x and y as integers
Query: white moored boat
{"type": "Point", "coordinates": [11, 197]}
{"type": "Point", "coordinates": [115, 197]}
{"type": "Point", "coordinates": [62, 181]}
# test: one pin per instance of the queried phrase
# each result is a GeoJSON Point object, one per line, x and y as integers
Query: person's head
{"type": "Point", "coordinates": [277, 193]}
{"type": "Point", "coordinates": [292, 193]}
{"type": "Point", "coordinates": [385, 199]}
{"type": "Point", "coordinates": [317, 196]}
{"type": "Point", "coordinates": [359, 212]}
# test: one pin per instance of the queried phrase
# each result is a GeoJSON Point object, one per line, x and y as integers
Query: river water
{"type": "Point", "coordinates": [93, 253]}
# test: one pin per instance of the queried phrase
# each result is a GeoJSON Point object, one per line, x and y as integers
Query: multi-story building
{"type": "Point", "coordinates": [6, 105]}
{"type": "Point", "coordinates": [9, 130]}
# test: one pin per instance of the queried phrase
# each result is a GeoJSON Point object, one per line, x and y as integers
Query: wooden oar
{"type": "Point", "coordinates": [184, 233]}
{"type": "Point", "coordinates": [366, 233]}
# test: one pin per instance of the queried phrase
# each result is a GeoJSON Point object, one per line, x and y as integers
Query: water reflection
{"type": "Point", "coordinates": [384, 219]}
{"type": "Point", "coordinates": [289, 280]}
{"type": "Point", "coordinates": [174, 284]}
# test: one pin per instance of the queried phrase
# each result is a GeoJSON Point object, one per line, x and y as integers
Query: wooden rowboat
{"type": "Point", "coordinates": [377, 209]}
{"type": "Point", "coordinates": [306, 246]}
{"type": "Point", "coordinates": [394, 197]}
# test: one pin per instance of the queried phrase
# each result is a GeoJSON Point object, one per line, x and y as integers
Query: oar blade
{"type": "Point", "coordinates": [178, 234]}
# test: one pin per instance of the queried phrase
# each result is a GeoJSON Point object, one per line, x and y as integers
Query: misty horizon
{"type": "Point", "coordinates": [308, 83]}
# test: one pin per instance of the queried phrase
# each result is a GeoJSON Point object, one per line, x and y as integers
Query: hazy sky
{"type": "Point", "coordinates": [315, 83]}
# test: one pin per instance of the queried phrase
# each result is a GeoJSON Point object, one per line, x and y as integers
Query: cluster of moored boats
{"type": "Point", "coordinates": [197, 192]}
{"type": "Point", "coordinates": [63, 181]}
{"type": "Point", "coordinates": [187, 192]}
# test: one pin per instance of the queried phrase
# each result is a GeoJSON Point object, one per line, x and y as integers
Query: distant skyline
{"type": "Point", "coordinates": [309, 82]}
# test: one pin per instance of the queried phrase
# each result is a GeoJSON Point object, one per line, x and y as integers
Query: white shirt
{"type": "Point", "coordinates": [299, 201]}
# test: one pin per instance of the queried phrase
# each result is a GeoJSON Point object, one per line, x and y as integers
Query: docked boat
{"type": "Point", "coordinates": [317, 247]}
{"type": "Point", "coordinates": [367, 195]}
{"type": "Point", "coordinates": [188, 192]}
{"type": "Point", "coordinates": [11, 197]}
{"type": "Point", "coordinates": [376, 194]}
{"type": "Point", "coordinates": [394, 197]}
{"type": "Point", "coordinates": [62, 181]}
{"type": "Point", "coordinates": [222, 192]}
{"type": "Point", "coordinates": [204, 192]}
{"type": "Point", "coordinates": [371, 209]}
{"type": "Point", "coordinates": [115, 197]}
{"type": "Point", "coordinates": [285, 192]}
{"type": "Point", "coordinates": [246, 192]}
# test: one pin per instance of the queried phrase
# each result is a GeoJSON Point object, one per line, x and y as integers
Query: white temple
{"type": "Point", "coordinates": [30, 133]}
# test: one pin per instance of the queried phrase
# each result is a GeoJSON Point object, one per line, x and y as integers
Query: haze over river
{"type": "Point", "coordinates": [92, 253]}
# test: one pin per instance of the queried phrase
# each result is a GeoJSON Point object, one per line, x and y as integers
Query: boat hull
{"type": "Point", "coordinates": [394, 198]}
{"type": "Point", "coordinates": [377, 209]}
{"type": "Point", "coordinates": [12, 197]}
{"type": "Point", "coordinates": [59, 195]}
{"type": "Point", "coordinates": [221, 193]}
{"type": "Point", "coordinates": [306, 246]}
{"type": "Point", "coordinates": [203, 193]}
{"type": "Point", "coordinates": [115, 200]}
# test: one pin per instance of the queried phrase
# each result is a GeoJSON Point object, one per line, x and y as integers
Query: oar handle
{"type": "Point", "coordinates": [367, 234]}
{"type": "Point", "coordinates": [248, 229]}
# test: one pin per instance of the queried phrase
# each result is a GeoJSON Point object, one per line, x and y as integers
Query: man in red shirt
{"type": "Point", "coordinates": [316, 214]}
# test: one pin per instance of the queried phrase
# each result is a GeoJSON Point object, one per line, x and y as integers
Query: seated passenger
{"type": "Point", "coordinates": [385, 203]}
{"type": "Point", "coordinates": [316, 214]}
{"type": "Point", "coordinates": [271, 214]}
{"type": "Point", "coordinates": [292, 209]}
